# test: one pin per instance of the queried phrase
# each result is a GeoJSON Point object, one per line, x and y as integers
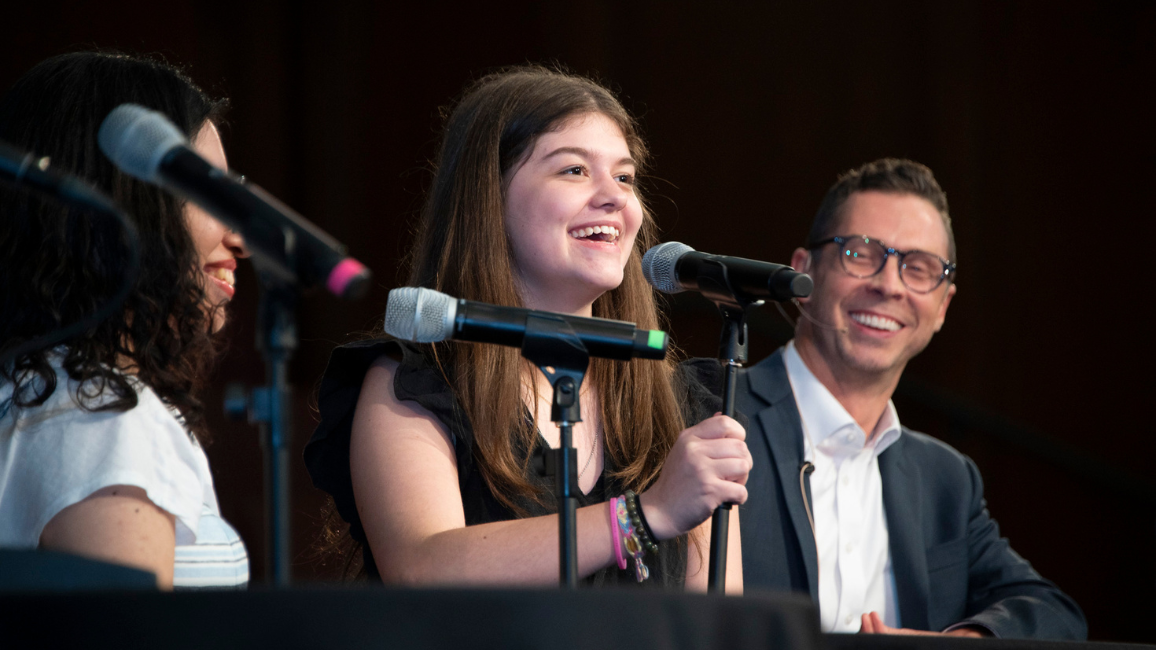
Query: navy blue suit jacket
{"type": "Point", "coordinates": [950, 563]}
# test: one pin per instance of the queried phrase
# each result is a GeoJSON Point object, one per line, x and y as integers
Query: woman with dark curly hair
{"type": "Point", "coordinates": [428, 450]}
{"type": "Point", "coordinates": [100, 436]}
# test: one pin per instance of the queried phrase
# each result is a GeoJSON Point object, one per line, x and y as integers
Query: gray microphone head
{"type": "Point", "coordinates": [420, 315]}
{"type": "Point", "coordinates": [658, 266]}
{"type": "Point", "coordinates": [135, 139]}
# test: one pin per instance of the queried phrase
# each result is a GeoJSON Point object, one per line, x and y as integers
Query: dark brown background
{"type": "Point", "coordinates": [1036, 117]}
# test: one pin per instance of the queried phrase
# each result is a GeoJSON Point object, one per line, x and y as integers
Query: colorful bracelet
{"type": "Point", "coordinates": [615, 534]}
{"type": "Point", "coordinates": [630, 541]}
{"type": "Point", "coordinates": [634, 509]}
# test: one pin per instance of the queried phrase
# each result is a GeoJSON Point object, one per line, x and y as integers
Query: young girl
{"type": "Point", "coordinates": [427, 450]}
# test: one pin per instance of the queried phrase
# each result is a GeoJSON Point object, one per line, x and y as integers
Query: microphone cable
{"type": "Point", "coordinates": [33, 172]}
{"type": "Point", "coordinates": [805, 471]}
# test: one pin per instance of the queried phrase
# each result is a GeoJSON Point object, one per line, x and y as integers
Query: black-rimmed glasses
{"type": "Point", "coordinates": [863, 257]}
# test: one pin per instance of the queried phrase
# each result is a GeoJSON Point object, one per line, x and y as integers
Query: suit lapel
{"type": "Point", "coordinates": [902, 504]}
{"type": "Point", "coordinates": [782, 431]}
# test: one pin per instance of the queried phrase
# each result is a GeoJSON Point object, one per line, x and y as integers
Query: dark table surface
{"type": "Point", "coordinates": [873, 642]}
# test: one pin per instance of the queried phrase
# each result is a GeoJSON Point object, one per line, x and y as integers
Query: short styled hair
{"type": "Point", "coordinates": [891, 175]}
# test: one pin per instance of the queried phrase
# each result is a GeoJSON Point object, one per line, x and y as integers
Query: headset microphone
{"type": "Point", "coordinates": [815, 321]}
{"type": "Point", "coordinates": [803, 312]}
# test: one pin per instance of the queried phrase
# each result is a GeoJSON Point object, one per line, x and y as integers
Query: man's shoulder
{"type": "Point", "coordinates": [928, 445]}
{"type": "Point", "coordinates": [766, 380]}
{"type": "Point", "coordinates": [936, 459]}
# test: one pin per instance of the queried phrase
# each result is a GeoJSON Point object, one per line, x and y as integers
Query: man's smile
{"type": "Point", "coordinates": [872, 320]}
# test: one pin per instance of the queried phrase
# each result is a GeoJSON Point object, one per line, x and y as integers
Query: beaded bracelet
{"type": "Point", "coordinates": [634, 509]}
{"type": "Point", "coordinates": [630, 541]}
{"type": "Point", "coordinates": [615, 534]}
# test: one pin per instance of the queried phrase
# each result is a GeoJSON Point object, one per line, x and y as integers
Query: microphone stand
{"type": "Point", "coordinates": [732, 356]}
{"type": "Point", "coordinates": [551, 344]}
{"type": "Point", "coordinates": [715, 285]}
{"type": "Point", "coordinates": [269, 407]}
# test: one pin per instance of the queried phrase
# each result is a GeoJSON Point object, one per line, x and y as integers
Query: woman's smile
{"type": "Point", "coordinates": [572, 214]}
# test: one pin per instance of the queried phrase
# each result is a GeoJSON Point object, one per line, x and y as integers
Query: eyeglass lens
{"type": "Point", "coordinates": [920, 271]}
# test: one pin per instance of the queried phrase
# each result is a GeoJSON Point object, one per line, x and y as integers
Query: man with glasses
{"type": "Point", "coordinates": [884, 527]}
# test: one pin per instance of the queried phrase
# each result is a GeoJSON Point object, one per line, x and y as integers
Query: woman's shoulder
{"type": "Point", "coordinates": [83, 403]}
{"type": "Point", "coordinates": [349, 363]}
{"type": "Point", "coordinates": [58, 453]}
{"type": "Point", "coordinates": [412, 376]}
{"type": "Point", "coordinates": [699, 373]}
{"type": "Point", "coordinates": [700, 381]}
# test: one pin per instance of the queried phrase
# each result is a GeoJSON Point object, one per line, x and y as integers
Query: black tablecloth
{"type": "Point", "coordinates": [396, 618]}
{"type": "Point", "coordinates": [875, 642]}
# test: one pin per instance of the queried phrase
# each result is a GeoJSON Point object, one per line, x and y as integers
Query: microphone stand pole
{"type": "Point", "coordinates": [270, 408]}
{"type": "Point", "coordinates": [715, 285]}
{"type": "Point", "coordinates": [277, 340]}
{"type": "Point", "coordinates": [732, 356]}
{"type": "Point", "coordinates": [733, 301]}
{"type": "Point", "coordinates": [551, 344]}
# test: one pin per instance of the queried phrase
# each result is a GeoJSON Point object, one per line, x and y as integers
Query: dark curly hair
{"type": "Point", "coordinates": [58, 264]}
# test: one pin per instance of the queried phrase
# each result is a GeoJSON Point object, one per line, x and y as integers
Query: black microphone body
{"type": "Point", "coordinates": [145, 144]}
{"type": "Point", "coordinates": [292, 248]}
{"type": "Point", "coordinates": [606, 339]}
{"type": "Point", "coordinates": [428, 316]}
{"type": "Point", "coordinates": [743, 279]}
{"type": "Point", "coordinates": [24, 168]}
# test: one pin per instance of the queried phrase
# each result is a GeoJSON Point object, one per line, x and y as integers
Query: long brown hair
{"type": "Point", "coordinates": [462, 250]}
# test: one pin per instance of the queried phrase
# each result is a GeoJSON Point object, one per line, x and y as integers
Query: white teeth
{"type": "Point", "coordinates": [877, 322]}
{"type": "Point", "coordinates": [581, 233]}
{"type": "Point", "coordinates": [224, 275]}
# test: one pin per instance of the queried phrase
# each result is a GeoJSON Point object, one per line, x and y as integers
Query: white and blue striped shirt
{"type": "Point", "coordinates": [57, 454]}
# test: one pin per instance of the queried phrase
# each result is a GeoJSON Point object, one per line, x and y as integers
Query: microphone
{"type": "Point", "coordinates": [23, 168]}
{"type": "Point", "coordinates": [674, 267]}
{"type": "Point", "coordinates": [145, 144]}
{"type": "Point", "coordinates": [427, 316]}
{"type": "Point", "coordinates": [814, 321]}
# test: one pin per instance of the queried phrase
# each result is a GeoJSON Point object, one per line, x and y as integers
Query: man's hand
{"type": "Point", "coordinates": [872, 624]}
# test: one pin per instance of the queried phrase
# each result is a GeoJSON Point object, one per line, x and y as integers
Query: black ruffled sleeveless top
{"type": "Point", "coordinates": [419, 380]}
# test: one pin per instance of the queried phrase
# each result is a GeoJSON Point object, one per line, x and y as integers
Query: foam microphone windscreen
{"type": "Point", "coordinates": [420, 315]}
{"type": "Point", "coordinates": [135, 139]}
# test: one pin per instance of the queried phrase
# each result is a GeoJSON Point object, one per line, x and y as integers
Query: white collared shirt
{"type": "Point", "coordinates": [855, 575]}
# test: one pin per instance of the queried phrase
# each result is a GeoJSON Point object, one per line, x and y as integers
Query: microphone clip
{"type": "Point", "coordinates": [551, 344]}
{"type": "Point", "coordinates": [715, 284]}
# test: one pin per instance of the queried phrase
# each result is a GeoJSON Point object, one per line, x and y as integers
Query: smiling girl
{"type": "Point", "coordinates": [427, 450]}
{"type": "Point", "coordinates": [100, 437]}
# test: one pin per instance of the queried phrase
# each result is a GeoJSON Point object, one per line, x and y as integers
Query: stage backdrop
{"type": "Point", "coordinates": [1036, 118]}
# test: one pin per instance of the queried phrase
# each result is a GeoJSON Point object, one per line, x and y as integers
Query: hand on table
{"type": "Point", "coordinates": [872, 624]}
